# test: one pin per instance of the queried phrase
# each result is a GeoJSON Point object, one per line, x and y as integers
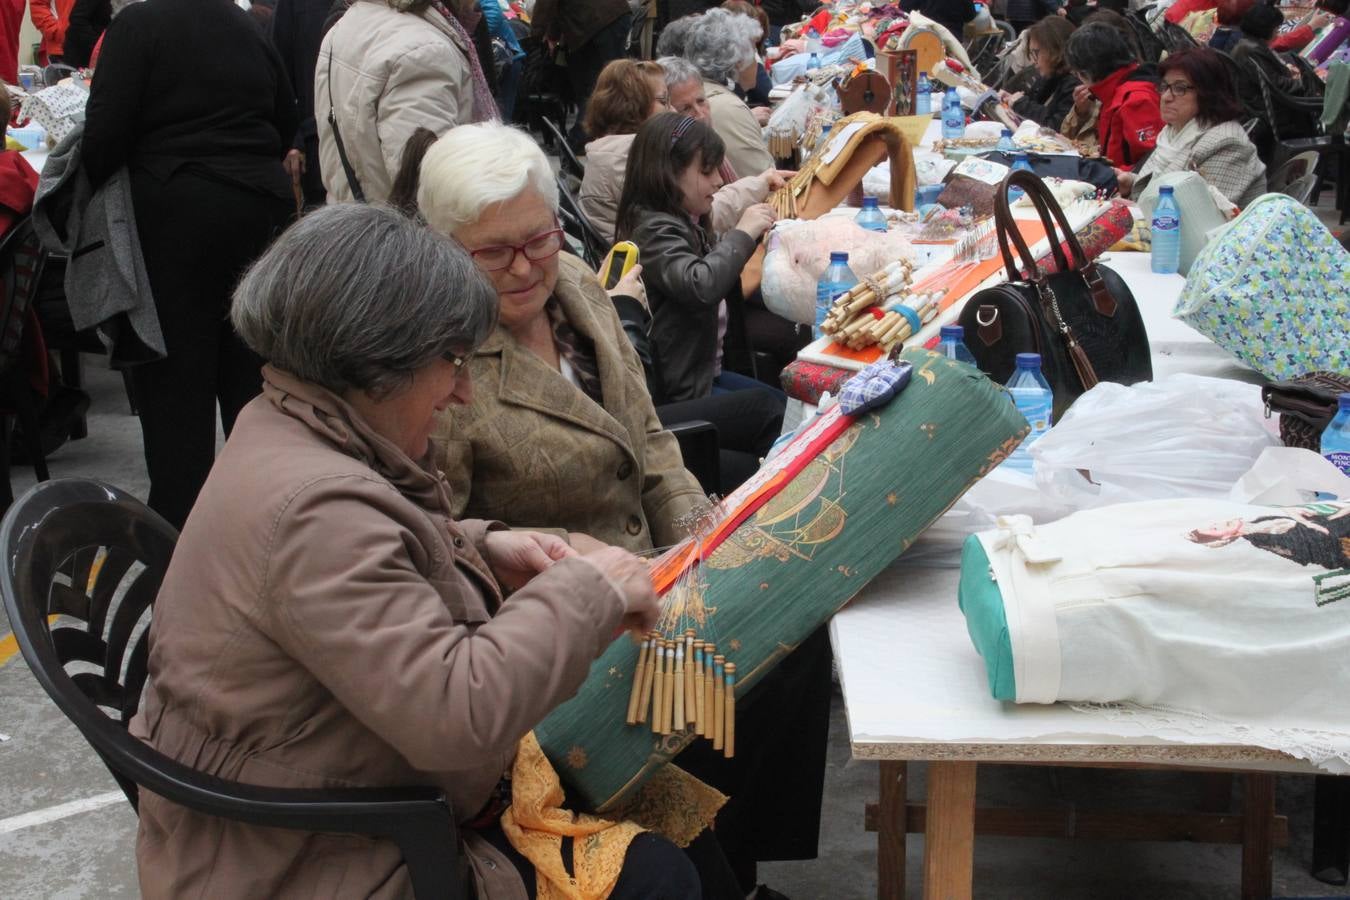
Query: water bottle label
{"type": "Point", "coordinates": [1166, 223]}
{"type": "Point", "coordinates": [1340, 459]}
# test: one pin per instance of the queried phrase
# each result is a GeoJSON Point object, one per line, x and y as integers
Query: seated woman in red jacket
{"type": "Point", "coordinates": [1129, 122]}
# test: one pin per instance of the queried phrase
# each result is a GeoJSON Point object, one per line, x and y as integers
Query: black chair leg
{"type": "Point", "coordinates": [22, 396]}
{"type": "Point", "coordinates": [72, 376]}
{"type": "Point", "coordinates": [1331, 829]}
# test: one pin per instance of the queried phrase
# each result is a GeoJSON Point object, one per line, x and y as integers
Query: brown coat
{"type": "Point", "coordinates": [324, 623]}
{"type": "Point", "coordinates": [534, 451]}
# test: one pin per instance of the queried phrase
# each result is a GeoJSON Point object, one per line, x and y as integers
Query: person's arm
{"type": "Point", "coordinates": [1295, 39]}
{"type": "Point", "coordinates": [734, 199]}
{"type": "Point", "coordinates": [43, 15]}
{"type": "Point", "coordinates": [417, 96]}
{"type": "Point", "coordinates": [1141, 123]}
{"type": "Point", "coordinates": [117, 95]}
{"type": "Point", "coordinates": [285, 108]}
{"type": "Point", "coordinates": [361, 608]}
{"type": "Point", "coordinates": [682, 276]}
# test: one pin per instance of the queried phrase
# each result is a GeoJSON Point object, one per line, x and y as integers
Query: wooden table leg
{"type": "Point", "coordinates": [949, 838]}
{"type": "Point", "coordinates": [891, 829]}
{"type": "Point", "coordinates": [1258, 812]}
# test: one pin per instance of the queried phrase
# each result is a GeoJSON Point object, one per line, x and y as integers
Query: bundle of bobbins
{"type": "Point", "coordinates": [859, 319]}
{"type": "Point", "coordinates": [683, 683]}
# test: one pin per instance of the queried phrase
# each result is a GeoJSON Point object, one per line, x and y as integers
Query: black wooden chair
{"type": "Point", "coordinates": [1151, 47]}
{"type": "Point", "coordinates": [571, 165]}
{"type": "Point", "coordinates": [83, 563]}
{"type": "Point", "coordinates": [579, 227]}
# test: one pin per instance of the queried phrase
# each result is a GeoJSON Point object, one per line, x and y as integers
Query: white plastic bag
{"type": "Point", "coordinates": [1183, 436]}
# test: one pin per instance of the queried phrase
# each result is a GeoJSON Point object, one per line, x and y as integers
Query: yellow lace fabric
{"type": "Point", "coordinates": [673, 804]}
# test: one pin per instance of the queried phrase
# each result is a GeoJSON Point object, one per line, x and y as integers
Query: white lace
{"type": "Point", "coordinates": [1328, 750]}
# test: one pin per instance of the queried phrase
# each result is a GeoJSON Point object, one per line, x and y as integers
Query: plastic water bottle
{"type": "Point", "coordinates": [953, 344]}
{"type": "Point", "coordinates": [923, 97]}
{"type": "Point", "coordinates": [837, 279]}
{"type": "Point", "coordinates": [812, 64]}
{"type": "Point", "coordinates": [953, 116]}
{"type": "Point", "coordinates": [1336, 439]}
{"type": "Point", "coordinates": [1020, 164]}
{"type": "Point", "coordinates": [1166, 233]}
{"type": "Point", "coordinates": [1031, 392]}
{"type": "Point", "coordinates": [1005, 142]}
{"type": "Point", "coordinates": [870, 216]}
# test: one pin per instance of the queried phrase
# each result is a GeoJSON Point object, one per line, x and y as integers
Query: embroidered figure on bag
{"type": "Point", "coordinates": [1317, 534]}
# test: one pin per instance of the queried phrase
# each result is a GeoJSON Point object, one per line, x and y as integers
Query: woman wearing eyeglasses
{"type": "Point", "coordinates": [1200, 109]}
{"type": "Point", "coordinates": [1050, 99]}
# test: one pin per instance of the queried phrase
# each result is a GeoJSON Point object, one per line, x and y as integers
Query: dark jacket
{"type": "Point", "coordinates": [1225, 38]}
{"type": "Point", "coordinates": [1048, 101]}
{"type": "Point", "coordinates": [296, 31]}
{"type": "Point", "coordinates": [954, 14]}
{"type": "Point", "coordinates": [687, 278]}
{"type": "Point", "coordinates": [190, 83]}
{"type": "Point", "coordinates": [1028, 11]}
{"type": "Point", "coordinates": [88, 20]}
{"type": "Point", "coordinates": [576, 21]}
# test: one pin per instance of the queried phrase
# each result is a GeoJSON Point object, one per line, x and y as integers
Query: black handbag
{"type": "Point", "coordinates": [1306, 406]}
{"type": "Point", "coordinates": [1082, 319]}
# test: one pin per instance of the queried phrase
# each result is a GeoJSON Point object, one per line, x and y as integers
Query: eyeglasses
{"type": "Point", "coordinates": [454, 359]}
{"type": "Point", "coordinates": [536, 249]}
{"type": "Point", "coordinates": [1175, 88]}
{"type": "Point", "coordinates": [662, 99]}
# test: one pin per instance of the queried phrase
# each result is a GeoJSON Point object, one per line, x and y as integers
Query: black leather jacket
{"type": "Point", "coordinates": [1048, 101]}
{"type": "Point", "coordinates": [687, 278]}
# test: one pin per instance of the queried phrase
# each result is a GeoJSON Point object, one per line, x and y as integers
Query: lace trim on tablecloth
{"type": "Point", "coordinates": [1328, 750]}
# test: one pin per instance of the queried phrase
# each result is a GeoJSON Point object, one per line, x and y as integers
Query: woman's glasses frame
{"type": "Point", "coordinates": [536, 248]}
{"type": "Point", "coordinates": [1177, 89]}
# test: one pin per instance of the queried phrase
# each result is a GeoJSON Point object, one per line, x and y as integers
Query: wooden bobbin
{"type": "Point", "coordinates": [700, 716]}
{"type": "Point", "coordinates": [690, 704]}
{"type": "Point", "coordinates": [648, 675]}
{"type": "Point", "coordinates": [678, 689]}
{"type": "Point", "coordinates": [658, 687]}
{"type": "Point", "coordinates": [719, 701]}
{"type": "Point", "coordinates": [729, 740]}
{"type": "Point", "coordinates": [709, 650]}
{"type": "Point", "coordinates": [635, 694]}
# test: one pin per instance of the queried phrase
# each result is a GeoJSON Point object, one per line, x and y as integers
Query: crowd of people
{"type": "Point", "coordinates": [415, 374]}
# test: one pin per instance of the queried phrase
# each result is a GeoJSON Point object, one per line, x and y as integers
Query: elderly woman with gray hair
{"type": "Point", "coordinates": [721, 46]}
{"type": "Point", "coordinates": [325, 621]}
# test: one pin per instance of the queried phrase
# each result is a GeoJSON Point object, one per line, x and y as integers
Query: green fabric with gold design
{"type": "Point", "coordinates": [799, 559]}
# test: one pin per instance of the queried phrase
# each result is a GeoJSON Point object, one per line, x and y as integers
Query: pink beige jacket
{"type": "Point", "coordinates": [325, 623]}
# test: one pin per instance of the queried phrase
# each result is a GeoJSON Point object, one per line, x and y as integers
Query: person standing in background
{"type": "Point", "coordinates": [297, 30]}
{"type": "Point", "coordinates": [88, 20]}
{"type": "Point", "coordinates": [11, 20]}
{"type": "Point", "coordinates": [594, 32]}
{"type": "Point", "coordinates": [50, 17]}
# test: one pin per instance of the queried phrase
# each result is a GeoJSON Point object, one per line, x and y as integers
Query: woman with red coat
{"type": "Point", "coordinates": [1129, 121]}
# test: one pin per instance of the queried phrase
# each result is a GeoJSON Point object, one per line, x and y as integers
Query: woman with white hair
{"type": "Point", "coordinates": [326, 621]}
{"type": "Point", "coordinates": [721, 46]}
{"type": "Point", "coordinates": [387, 68]}
{"type": "Point", "coordinates": [561, 434]}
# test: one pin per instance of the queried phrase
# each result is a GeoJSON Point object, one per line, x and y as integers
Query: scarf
{"type": "Point", "coordinates": [484, 105]}
{"type": "Point", "coordinates": [1173, 150]}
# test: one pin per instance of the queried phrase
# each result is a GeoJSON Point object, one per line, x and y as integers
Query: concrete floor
{"type": "Point", "coordinates": [45, 763]}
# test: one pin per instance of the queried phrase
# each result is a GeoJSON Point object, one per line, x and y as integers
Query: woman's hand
{"type": "Point", "coordinates": [630, 285]}
{"type": "Point", "coordinates": [1320, 19]}
{"type": "Point", "coordinates": [1082, 99]}
{"type": "Point", "coordinates": [1125, 182]}
{"type": "Point", "coordinates": [1009, 99]}
{"type": "Point", "coordinates": [518, 556]}
{"type": "Point", "coordinates": [756, 220]}
{"type": "Point", "coordinates": [776, 179]}
{"type": "Point", "coordinates": [761, 114]}
{"type": "Point", "coordinates": [641, 608]}
{"type": "Point", "coordinates": [584, 543]}
{"type": "Point", "coordinates": [294, 164]}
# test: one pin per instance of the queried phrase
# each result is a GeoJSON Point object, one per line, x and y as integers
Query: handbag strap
{"type": "Point", "coordinates": [357, 194]}
{"type": "Point", "coordinates": [1052, 218]}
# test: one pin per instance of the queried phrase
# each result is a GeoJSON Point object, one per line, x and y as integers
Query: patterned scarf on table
{"type": "Point", "coordinates": [577, 349]}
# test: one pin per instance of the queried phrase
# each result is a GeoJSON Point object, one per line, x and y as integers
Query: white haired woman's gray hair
{"type": "Point", "coordinates": [721, 43]}
{"type": "Point", "coordinates": [471, 167]}
{"type": "Point", "coordinates": [360, 297]}
{"type": "Point", "coordinates": [673, 36]}
{"type": "Point", "coordinates": [679, 70]}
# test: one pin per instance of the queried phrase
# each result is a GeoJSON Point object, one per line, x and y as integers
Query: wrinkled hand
{"type": "Point", "coordinates": [641, 608]}
{"type": "Point", "coordinates": [1009, 99]}
{"type": "Point", "coordinates": [776, 179]}
{"type": "Point", "coordinates": [756, 220]}
{"type": "Point", "coordinates": [584, 543]}
{"type": "Point", "coordinates": [630, 285]}
{"type": "Point", "coordinates": [1082, 99]}
{"type": "Point", "coordinates": [518, 556]}
{"type": "Point", "coordinates": [761, 114]}
{"type": "Point", "coordinates": [294, 164]}
{"type": "Point", "coordinates": [1320, 19]}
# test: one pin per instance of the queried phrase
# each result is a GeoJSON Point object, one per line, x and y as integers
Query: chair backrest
{"type": "Point", "coordinates": [577, 224]}
{"type": "Point", "coordinates": [570, 164]}
{"type": "Point", "coordinates": [83, 563]}
{"type": "Point", "coordinates": [1150, 46]}
{"type": "Point", "coordinates": [1293, 169]}
{"type": "Point", "coordinates": [1301, 189]}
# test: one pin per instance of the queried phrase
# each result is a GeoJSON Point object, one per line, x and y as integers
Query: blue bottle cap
{"type": "Point", "coordinates": [1343, 403]}
{"type": "Point", "coordinates": [956, 332]}
{"type": "Point", "coordinates": [1020, 158]}
{"type": "Point", "coordinates": [1165, 190]}
{"type": "Point", "coordinates": [1007, 133]}
{"type": "Point", "coordinates": [838, 256]}
{"type": "Point", "coordinates": [869, 203]}
{"type": "Point", "coordinates": [1028, 360]}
